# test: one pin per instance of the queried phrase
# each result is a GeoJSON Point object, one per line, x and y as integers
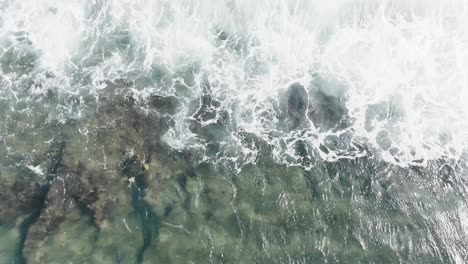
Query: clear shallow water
{"type": "Point", "coordinates": [233, 132]}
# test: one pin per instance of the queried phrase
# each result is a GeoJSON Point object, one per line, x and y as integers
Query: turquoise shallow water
{"type": "Point", "coordinates": [233, 132]}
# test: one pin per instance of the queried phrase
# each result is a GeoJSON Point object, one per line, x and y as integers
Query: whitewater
{"type": "Point", "coordinates": [396, 67]}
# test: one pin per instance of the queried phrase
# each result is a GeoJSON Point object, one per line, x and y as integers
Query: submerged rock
{"type": "Point", "coordinates": [164, 104]}
{"type": "Point", "coordinates": [74, 241]}
{"type": "Point", "coordinates": [298, 103]}
{"type": "Point", "coordinates": [328, 112]}
{"type": "Point", "coordinates": [59, 202]}
{"type": "Point", "coordinates": [301, 106]}
{"type": "Point", "coordinates": [17, 200]}
{"type": "Point", "coordinates": [101, 173]}
{"type": "Point", "coordinates": [328, 109]}
{"type": "Point", "coordinates": [103, 176]}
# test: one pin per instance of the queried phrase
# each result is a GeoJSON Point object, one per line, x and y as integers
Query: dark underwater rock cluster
{"type": "Point", "coordinates": [18, 199]}
{"type": "Point", "coordinates": [97, 180]}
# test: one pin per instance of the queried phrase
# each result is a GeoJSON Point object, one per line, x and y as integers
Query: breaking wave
{"type": "Point", "coordinates": [300, 81]}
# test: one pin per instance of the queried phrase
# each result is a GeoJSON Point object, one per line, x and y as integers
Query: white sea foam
{"type": "Point", "coordinates": [397, 67]}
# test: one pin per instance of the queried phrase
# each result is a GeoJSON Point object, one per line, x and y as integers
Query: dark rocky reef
{"type": "Point", "coordinates": [164, 104]}
{"type": "Point", "coordinates": [102, 176]}
{"type": "Point", "coordinates": [59, 202]}
{"type": "Point", "coordinates": [328, 112]}
{"type": "Point", "coordinates": [19, 199]}
{"type": "Point", "coordinates": [298, 103]}
{"type": "Point", "coordinates": [303, 106]}
{"type": "Point", "coordinates": [328, 109]}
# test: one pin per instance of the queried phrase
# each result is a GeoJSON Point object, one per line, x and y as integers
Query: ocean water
{"type": "Point", "coordinates": [268, 131]}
